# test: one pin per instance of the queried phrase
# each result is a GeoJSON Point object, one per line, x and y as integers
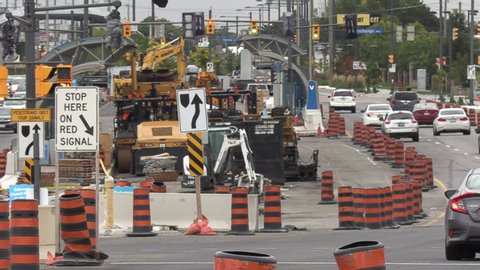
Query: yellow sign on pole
{"type": "Point", "coordinates": [195, 153]}
{"type": "Point", "coordinates": [31, 115]}
{"type": "Point", "coordinates": [363, 19]}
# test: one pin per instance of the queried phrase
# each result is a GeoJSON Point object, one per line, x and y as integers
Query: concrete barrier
{"type": "Point", "coordinates": [12, 158]}
{"type": "Point", "coordinates": [179, 209]}
{"type": "Point", "coordinates": [47, 230]}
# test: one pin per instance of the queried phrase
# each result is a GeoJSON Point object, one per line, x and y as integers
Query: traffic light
{"type": "Point", "coordinates": [160, 3]}
{"type": "Point", "coordinates": [315, 32]}
{"type": "Point", "coordinates": [351, 26]}
{"type": "Point", "coordinates": [444, 61]}
{"type": "Point", "coordinates": [43, 74]}
{"type": "Point", "coordinates": [210, 27]}
{"type": "Point", "coordinates": [391, 58]}
{"type": "Point", "coordinates": [64, 74]}
{"type": "Point", "coordinates": [254, 29]}
{"type": "Point", "coordinates": [289, 24]}
{"type": "Point", "coordinates": [127, 29]}
{"type": "Point", "coordinates": [114, 31]}
{"type": "Point", "coordinates": [3, 81]}
{"type": "Point", "coordinates": [455, 33]}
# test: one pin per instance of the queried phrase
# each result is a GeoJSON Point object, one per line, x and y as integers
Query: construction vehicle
{"type": "Point", "coordinates": [146, 118]}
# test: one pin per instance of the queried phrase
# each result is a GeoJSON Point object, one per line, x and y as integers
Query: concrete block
{"type": "Point", "coordinates": [179, 209]}
{"type": "Point", "coordinates": [47, 230]}
{"type": "Point", "coordinates": [12, 158]}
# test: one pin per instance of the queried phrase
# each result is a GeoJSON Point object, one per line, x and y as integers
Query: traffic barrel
{"type": "Point", "coordinates": [418, 171]}
{"type": "Point", "coordinates": [364, 137]}
{"type": "Point", "coordinates": [471, 117]}
{"type": "Point", "coordinates": [430, 182]}
{"type": "Point", "coordinates": [89, 201]}
{"type": "Point", "coordinates": [400, 204]}
{"type": "Point", "coordinates": [363, 255]}
{"type": "Point", "coordinates": [3, 164]}
{"type": "Point", "coordinates": [388, 201]}
{"type": "Point", "coordinates": [272, 211]}
{"type": "Point", "coordinates": [410, 155]}
{"type": "Point", "coordinates": [409, 196]}
{"type": "Point", "coordinates": [222, 189]}
{"type": "Point", "coordinates": [147, 182]}
{"type": "Point", "coordinates": [327, 196]}
{"type": "Point", "coordinates": [122, 183]}
{"type": "Point", "coordinates": [478, 120]}
{"type": "Point", "coordinates": [345, 208]}
{"type": "Point", "coordinates": [381, 194]}
{"type": "Point", "coordinates": [142, 225]}
{"type": "Point", "coordinates": [341, 126]}
{"type": "Point", "coordinates": [379, 152]}
{"type": "Point", "coordinates": [237, 260]}
{"type": "Point", "coordinates": [333, 126]}
{"type": "Point", "coordinates": [4, 236]}
{"type": "Point", "coordinates": [373, 216]}
{"type": "Point", "coordinates": [359, 207]}
{"type": "Point", "coordinates": [417, 199]}
{"type": "Point", "coordinates": [357, 132]}
{"type": "Point", "coordinates": [158, 187]}
{"type": "Point", "coordinates": [390, 145]}
{"type": "Point", "coordinates": [239, 219]}
{"type": "Point", "coordinates": [24, 236]}
{"type": "Point", "coordinates": [399, 161]}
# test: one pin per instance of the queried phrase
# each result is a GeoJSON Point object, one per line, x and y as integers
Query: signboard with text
{"type": "Point", "coordinates": [76, 119]}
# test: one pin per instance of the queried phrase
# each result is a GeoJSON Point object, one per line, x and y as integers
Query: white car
{"type": "Point", "coordinates": [343, 99]}
{"type": "Point", "coordinates": [374, 114]}
{"type": "Point", "coordinates": [451, 120]}
{"type": "Point", "coordinates": [401, 124]}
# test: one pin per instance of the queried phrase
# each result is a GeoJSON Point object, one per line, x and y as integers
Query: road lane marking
{"type": "Point", "coordinates": [456, 149]}
{"type": "Point", "coordinates": [441, 215]}
{"type": "Point", "coordinates": [358, 151]}
{"type": "Point", "coordinates": [477, 157]}
{"type": "Point", "coordinates": [447, 145]}
{"type": "Point", "coordinates": [466, 154]}
{"type": "Point", "coordinates": [437, 142]}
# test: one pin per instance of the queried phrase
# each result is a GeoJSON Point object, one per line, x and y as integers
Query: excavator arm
{"type": "Point", "coordinates": [160, 53]}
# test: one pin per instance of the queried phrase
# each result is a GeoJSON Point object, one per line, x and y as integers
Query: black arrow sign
{"type": "Point", "coordinates": [196, 101]}
{"type": "Point", "coordinates": [87, 126]}
{"type": "Point", "coordinates": [36, 128]}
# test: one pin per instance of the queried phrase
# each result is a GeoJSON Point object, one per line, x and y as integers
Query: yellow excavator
{"type": "Point", "coordinates": [146, 118]}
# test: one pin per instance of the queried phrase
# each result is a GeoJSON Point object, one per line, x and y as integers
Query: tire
{"type": "Point", "coordinates": [435, 132]}
{"type": "Point", "coordinates": [415, 138]}
{"type": "Point", "coordinates": [453, 253]}
{"type": "Point", "coordinates": [466, 132]}
{"type": "Point", "coordinates": [468, 254]}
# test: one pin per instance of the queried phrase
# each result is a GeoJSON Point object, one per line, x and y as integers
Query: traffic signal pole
{"type": "Point", "coordinates": [472, 81]}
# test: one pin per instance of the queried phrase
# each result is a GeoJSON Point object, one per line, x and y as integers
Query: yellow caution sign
{"type": "Point", "coordinates": [31, 115]}
{"type": "Point", "coordinates": [195, 153]}
{"type": "Point", "coordinates": [29, 170]}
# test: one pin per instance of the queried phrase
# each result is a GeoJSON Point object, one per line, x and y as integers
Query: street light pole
{"type": "Point", "coordinates": [310, 42]}
{"type": "Point", "coordinates": [391, 76]}
{"type": "Point", "coordinates": [472, 82]}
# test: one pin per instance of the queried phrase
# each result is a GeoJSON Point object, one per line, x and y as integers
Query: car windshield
{"type": "Point", "coordinates": [342, 94]}
{"type": "Point", "coordinates": [425, 106]}
{"type": "Point", "coordinates": [452, 112]}
{"type": "Point", "coordinates": [4, 111]}
{"type": "Point", "coordinates": [474, 181]}
{"type": "Point", "coordinates": [379, 108]}
{"type": "Point", "coordinates": [400, 116]}
{"type": "Point", "coordinates": [406, 96]}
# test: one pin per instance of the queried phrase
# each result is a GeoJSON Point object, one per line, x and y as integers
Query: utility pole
{"type": "Point", "coordinates": [85, 20]}
{"type": "Point", "coordinates": [472, 81]}
{"type": "Point", "coordinates": [331, 39]}
{"type": "Point", "coordinates": [310, 42]}
{"type": "Point", "coordinates": [450, 57]}
{"type": "Point", "coordinates": [133, 10]}
{"type": "Point", "coordinates": [392, 49]}
{"type": "Point", "coordinates": [47, 28]}
{"type": "Point", "coordinates": [290, 91]}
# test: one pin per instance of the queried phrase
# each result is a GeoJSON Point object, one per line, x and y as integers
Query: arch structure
{"type": "Point", "coordinates": [275, 48]}
{"type": "Point", "coordinates": [87, 54]}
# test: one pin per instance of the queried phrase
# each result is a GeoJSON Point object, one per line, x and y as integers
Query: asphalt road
{"type": "Point", "coordinates": [418, 246]}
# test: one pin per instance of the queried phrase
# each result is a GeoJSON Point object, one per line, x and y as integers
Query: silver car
{"type": "Point", "coordinates": [462, 218]}
{"type": "Point", "coordinates": [401, 124]}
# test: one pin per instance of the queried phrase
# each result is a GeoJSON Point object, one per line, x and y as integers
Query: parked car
{"type": "Point", "coordinates": [451, 120]}
{"type": "Point", "coordinates": [6, 120]}
{"type": "Point", "coordinates": [462, 218]}
{"type": "Point", "coordinates": [343, 99]}
{"type": "Point", "coordinates": [374, 114]}
{"type": "Point", "coordinates": [425, 112]}
{"type": "Point", "coordinates": [404, 100]}
{"type": "Point", "coordinates": [401, 124]}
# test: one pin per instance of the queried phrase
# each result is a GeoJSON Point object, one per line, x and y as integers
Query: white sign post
{"type": "Point", "coordinates": [26, 131]}
{"type": "Point", "coordinates": [76, 119]}
{"type": "Point", "coordinates": [192, 110]}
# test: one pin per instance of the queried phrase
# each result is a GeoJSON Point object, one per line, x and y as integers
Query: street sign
{"type": "Point", "coordinates": [312, 95]}
{"type": "Point", "coordinates": [26, 132]}
{"type": "Point", "coordinates": [76, 119]}
{"type": "Point", "coordinates": [195, 154]}
{"type": "Point", "coordinates": [358, 65]}
{"type": "Point", "coordinates": [471, 72]}
{"type": "Point", "coordinates": [369, 31]}
{"type": "Point", "coordinates": [30, 115]}
{"type": "Point", "coordinates": [192, 110]}
{"type": "Point", "coordinates": [210, 67]}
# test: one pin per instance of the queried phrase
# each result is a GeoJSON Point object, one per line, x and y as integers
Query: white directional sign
{"type": "Point", "coordinates": [192, 110]}
{"type": "Point", "coordinates": [471, 72]}
{"type": "Point", "coordinates": [26, 132]}
{"type": "Point", "coordinates": [76, 118]}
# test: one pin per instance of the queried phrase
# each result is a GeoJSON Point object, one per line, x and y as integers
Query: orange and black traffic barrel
{"type": "Point", "coordinates": [89, 201]}
{"type": "Point", "coordinates": [239, 220]}
{"type": "Point", "coordinates": [389, 223]}
{"type": "Point", "coordinates": [399, 161]}
{"type": "Point", "coordinates": [400, 204]}
{"type": "Point", "coordinates": [373, 213]}
{"type": "Point", "coordinates": [222, 189]}
{"type": "Point", "coordinates": [345, 208]}
{"type": "Point", "coordinates": [357, 130]}
{"type": "Point", "coordinates": [409, 195]}
{"type": "Point", "coordinates": [363, 255]}
{"type": "Point", "coordinates": [122, 183]}
{"type": "Point", "coordinates": [4, 236]}
{"type": "Point", "coordinates": [147, 182]}
{"type": "Point", "coordinates": [327, 196]}
{"type": "Point", "coordinates": [3, 164]}
{"type": "Point", "coordinates": [341, 126]}
{"type": "Point", "coordinates": [24, 235]}
{"type": "Point", "coordinates": [236, 260]}
{"type": "Point", "coordinates": [390, 145]}
{"type": "Point", "coordinates": [359, 208]}
{"type": "Point", "coordinates": [272, 212]}
{"type": "Point", "coordinates": [158, 187]}
{"type": "Point", "coordinates": [142, 224]}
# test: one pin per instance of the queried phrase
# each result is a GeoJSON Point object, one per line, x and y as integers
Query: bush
{"type": "Point", "coordinates": [460, 101]}
{"type": "Point", "coordinates": [452, 99]}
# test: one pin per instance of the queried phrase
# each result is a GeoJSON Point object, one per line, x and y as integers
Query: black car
{"type": "Point", "coordinates": [403, 101]}
{"type": "Point", "coordinates": [6, 120]}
